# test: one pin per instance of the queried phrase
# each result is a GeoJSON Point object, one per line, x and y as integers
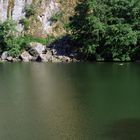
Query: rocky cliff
{"type": "Point", "coordinates": [49, 16]}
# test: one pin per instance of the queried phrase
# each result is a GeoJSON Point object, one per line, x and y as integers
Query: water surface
{"type": "Point", "coordinates": [85, 101]}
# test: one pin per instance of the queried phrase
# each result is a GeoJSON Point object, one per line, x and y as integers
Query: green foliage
{"type": "Point", "coordinates": [9, 38]}
{"type": "Point", "coordinates": [56, 17]}
{"type": "Point", "coordinates": [8, 35]}
{"type": "Point", "coordinates": [7, 32]}
{"type": "Point", "coordinates": [16, 46]}
{"type": "Point", "coordinates": [26, 23]}
{"type": "Point", "coordinates": [44, 41]}
{"type": "Point", "coordinates": [30, 10]}
{"type": "Point", "coordinates": [108, 29]}
{"type": "Point", "coordinates": [11, 41]}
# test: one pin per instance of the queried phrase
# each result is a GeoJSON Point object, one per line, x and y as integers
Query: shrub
{"type": "Point", "coordinates": [44, 41]}
{"type": "Point", "coordinates": [56, 17]}
{"type": "Point", "coordinates": [26, 23]}
{"type": "Point", "coordinates": [17, 45]}
{"type": "Point", "coordinates": [8, 34]}
{"type": "Point", "coordinates": [107, 28]}
{"type": "Point", "coordinates": [9, 38]}
{"type": "Point", "coordinates": [30, 10]}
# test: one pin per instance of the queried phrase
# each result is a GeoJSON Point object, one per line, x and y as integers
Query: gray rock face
{"type": "Point", "coordinates": [16, 12]}
{"type": "Point", "coordinates": [9, 59]}
{"type": "Point", "coordinates": [42, 58]}
{"type": "Point", "coordinates": [46, 57]}
{"type": "Point", "coordinates": [50, 9]}
{"type": "Point", "coordinates": [4, 55]}
{"type": "Point", "coordinates": [54, 52]}
{"type": "Point", "coordinates": [73, 55]}
{"type": "Point", "coordinates": [3, 9]}
{"type": "Point", "coordinates": [49, 55]}
{"type": "Point", "coordinates": [55, 60]}
{"type": "Point", "coordinates": [35, 49]}
{"type": "Point", "coordinates": [25, 56]}
{"type": "Point", "coordinates": [64, 58]}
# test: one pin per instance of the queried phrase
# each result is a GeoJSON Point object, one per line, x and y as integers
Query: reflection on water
{"type": "Point", "coordinates": [127, 129]}
{"type": "Point", "coordinates": [84, 101]}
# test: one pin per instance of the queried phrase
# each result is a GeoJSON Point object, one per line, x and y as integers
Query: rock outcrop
{"type": "Point", "coordinates": [49, 16]}
{"type": "Point", "coordinates": [15, 9]}
{"type": "Point", "coordinates": [40, 53]}
{"type": "Point", "coordinates": [36, 49]}
{"type": "Point", "coordinates": [25, 56]}
{"type": "Point", "coordinates": [4, 55]}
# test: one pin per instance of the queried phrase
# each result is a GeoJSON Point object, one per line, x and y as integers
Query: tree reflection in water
{"type": "Point", "coordinates": [126, 129]}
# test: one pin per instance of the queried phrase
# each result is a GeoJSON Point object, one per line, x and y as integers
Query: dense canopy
{"type": "Point", "coordinates": [108, 29]}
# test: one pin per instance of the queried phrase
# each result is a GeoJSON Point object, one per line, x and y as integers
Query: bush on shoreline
{"type": "Point", "coordinates": [9, 38]}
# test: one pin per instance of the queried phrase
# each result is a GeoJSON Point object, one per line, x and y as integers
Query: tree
{"type": "Point", "coordinates": [7, 34]}
{"type": "Point", "coordinates": [10, 40]}
{"type": "Point", "coordinates": [108, 29]}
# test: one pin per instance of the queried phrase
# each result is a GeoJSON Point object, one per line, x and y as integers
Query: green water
{"type": "Point", "coordinates": [98, 101]}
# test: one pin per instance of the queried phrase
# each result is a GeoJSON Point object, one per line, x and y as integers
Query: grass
{"type": "Point", "coordinates": [44, 41]}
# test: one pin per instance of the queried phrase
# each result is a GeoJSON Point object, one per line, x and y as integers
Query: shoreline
{"type": "Point", "coordinates": [37, 52]}
{"type": "Point", "coordinates": [65, 60]}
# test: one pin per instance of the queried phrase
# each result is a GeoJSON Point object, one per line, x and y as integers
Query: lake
{"type": "Point", "coordinates": [79, 101]}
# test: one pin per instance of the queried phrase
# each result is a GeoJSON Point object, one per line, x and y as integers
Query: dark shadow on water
{"type": "Point", "coordinates": [127, 129]}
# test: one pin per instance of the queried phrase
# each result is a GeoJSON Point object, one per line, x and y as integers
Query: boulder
{"type": "Point", "coordinates": [25, 56]}
{"type": "Point", "coordinates": [16, 59]}
{"type": "Point", "coordinates": [49, 55]}
{"type": "Point", "coordinates": [9, 59]}
{"type": "Point", "coordinates": [64, 58]}
{"type": "Point", "coordinates": [54, 52]}
{"type": "Point", "coordinates": [75, 60]}
{"type": "Point", "coordinates": [36, 49]}
{"type": "Point", "coordinates": [73, 55]}
{"type": "Point", "coordinates": [55, 60]}
{"type": "Point", "coordinates": [42, 58]}
{"type": "Point", "coordinates": [4, 55]}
